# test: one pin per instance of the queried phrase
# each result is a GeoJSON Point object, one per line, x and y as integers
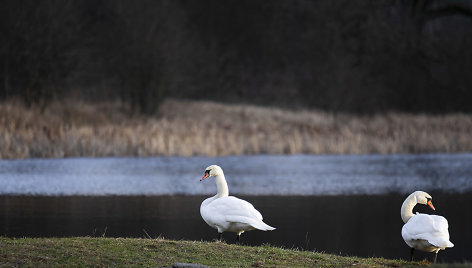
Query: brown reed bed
{"type": "Point", "coordinates": [188, 128]}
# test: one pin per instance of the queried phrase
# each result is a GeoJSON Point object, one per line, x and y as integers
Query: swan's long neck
{"type": "Point", "coordinates": [407, 208]}
{"type": "Point", "coordinates": [221, 186]}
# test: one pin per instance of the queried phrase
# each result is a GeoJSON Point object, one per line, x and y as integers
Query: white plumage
{"type": "Point", "coordinates": [228, 213]}
{"type": "Point", "coordinates": [427, 233]}
{"type": "Point", "coordinates": [422, 231]}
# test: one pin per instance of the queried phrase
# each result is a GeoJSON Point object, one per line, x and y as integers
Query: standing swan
{"type": "Point", "coordinates": [228, 213]}
{"type": "Point", "coordinates": [422, 231]}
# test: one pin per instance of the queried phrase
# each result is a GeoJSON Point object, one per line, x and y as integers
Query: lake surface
{"type": "Point", "coordinates": [248, 175]}
{"type": "Point", "coordinates": [337, 204]}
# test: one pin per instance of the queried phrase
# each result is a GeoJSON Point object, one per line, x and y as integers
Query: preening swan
{"type": "Point", "coordinates": [422, 231]}
{"type": "Point", "coordinates": [228, 213]}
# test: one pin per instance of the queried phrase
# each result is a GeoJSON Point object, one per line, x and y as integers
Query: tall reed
{"type": "Point", "coordinates": [188, 128]}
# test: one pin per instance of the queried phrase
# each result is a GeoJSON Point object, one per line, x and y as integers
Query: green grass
{"type": "Point", "coordinates": [133, 252]}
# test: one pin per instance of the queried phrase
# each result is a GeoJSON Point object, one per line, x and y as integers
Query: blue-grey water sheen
{"type": "Point", "coordinates": [248, 175]}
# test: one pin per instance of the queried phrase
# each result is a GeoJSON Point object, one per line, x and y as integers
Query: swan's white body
{"type": "Point", "coordinates": [427, 233]}
{"type": "Point", "coordinates": [422, 231]}
{"type": "Point", "coordinates": [228, 213]}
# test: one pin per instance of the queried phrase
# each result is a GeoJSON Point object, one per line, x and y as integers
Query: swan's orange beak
{"type": "Point", "coordinates": [206, 176]}
{"type": "Point", "coordinates": [430, 204]}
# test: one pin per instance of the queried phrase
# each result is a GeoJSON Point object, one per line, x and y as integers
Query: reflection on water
{"type": "Point", "coordinates": [248, 175]}
{"type": "Point", "coordinates": [351, 225]}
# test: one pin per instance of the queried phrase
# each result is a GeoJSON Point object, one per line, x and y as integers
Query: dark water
{"type": "Point", "coordinates": [361, 225]}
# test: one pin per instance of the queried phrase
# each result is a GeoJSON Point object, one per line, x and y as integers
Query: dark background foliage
{"type": "Point", "coordinates": [341, 55]}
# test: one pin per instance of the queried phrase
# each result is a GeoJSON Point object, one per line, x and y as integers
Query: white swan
{"type": "Point", "coordinates": [228, 213]}
{"type": "Point", "coordinates": [422, 231]}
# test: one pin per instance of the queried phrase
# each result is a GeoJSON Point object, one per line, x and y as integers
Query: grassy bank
{"type": "Point", "coordinates": [186, 128]}
{"type": "Point", "coordinates": [129, 252]}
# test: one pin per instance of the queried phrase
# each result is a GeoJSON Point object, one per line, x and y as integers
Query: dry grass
{"type": "Point", "coordinates": [187, 128]}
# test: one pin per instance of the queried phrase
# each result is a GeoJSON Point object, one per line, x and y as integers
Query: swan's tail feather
{"type": "Point", "coordinates": [260, 225]}
{"type": "Point", "coordinates": [257, 224]}
{"type": "Point", "coordinates": [441, 243]}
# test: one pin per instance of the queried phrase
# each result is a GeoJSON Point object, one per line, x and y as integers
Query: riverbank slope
{"type": "Point", "coordinates": [132, 252]}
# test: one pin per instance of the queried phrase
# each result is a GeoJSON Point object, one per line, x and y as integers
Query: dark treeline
{"type": "Point", "coordinates": [338, 55]}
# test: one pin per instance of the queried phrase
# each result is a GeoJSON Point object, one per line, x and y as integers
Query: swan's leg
{"type": "Point", "coordinates": [411, 253]}
{"type": "Point", "coordinates": [220, 237]}
{"type": "Point", "coordinates": [435, 256]}
{"type": "Point", "coordinates": [238, 238]}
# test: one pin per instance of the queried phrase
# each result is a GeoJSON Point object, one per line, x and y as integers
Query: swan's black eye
{"type": "Point", "coordinates": [207, 172]}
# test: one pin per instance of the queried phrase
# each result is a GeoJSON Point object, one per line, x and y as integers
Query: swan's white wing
{"type": "Point", "coordinates": [431, 228]}
{"type": "Point", "coordinates": [441, 236]}
{"type": "Point", "coordinates": [231, 205]}
{"type": "Point", "coordinates": [226, 211]}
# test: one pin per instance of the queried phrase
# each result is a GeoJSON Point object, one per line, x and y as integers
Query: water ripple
{"type": "Point", "coordinates": [248, 175]}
